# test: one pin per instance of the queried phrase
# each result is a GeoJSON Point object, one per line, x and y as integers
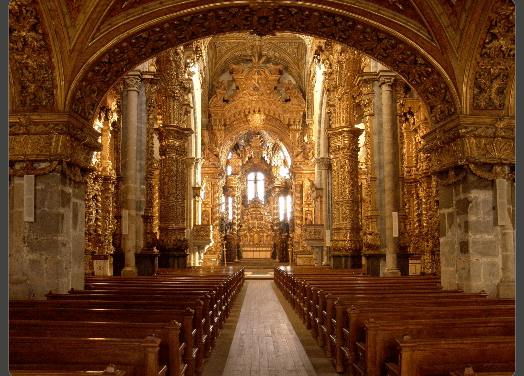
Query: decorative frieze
{"type": "Point", "coordinates": [471, 140]}
{"type": "Point", "coordinates": [55, 138]}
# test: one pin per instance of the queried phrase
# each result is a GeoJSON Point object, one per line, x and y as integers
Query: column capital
{"type": "Point", "coordinates": [325, 162]}
{"type": "Point", "coordinates": [386, 79]}
{"type": "Point", "coordinates": [132, 81]}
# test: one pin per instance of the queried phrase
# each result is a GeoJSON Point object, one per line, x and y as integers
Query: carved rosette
{"type": "Point", "coordinates": [173, 188]}
{"type": "Point", "coordinates": [343, 146]}
{"type": "Point", "coordinates": [41, 143]}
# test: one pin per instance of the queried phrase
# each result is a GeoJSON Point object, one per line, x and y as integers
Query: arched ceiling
{"type": "Point", "coordinates": [433, 44]}
{"type": "Point", "coordinates": [288, 50]}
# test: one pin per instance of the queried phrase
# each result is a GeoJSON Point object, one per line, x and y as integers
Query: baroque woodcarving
{"type": "Point", "coordinates": [59, 139]}
{"type": "Point", "coordinates": [29, 58]}
{"type": "Point", "coordinates": [400, 57]}
{"type": "Point", "coordinates": [496, 63]}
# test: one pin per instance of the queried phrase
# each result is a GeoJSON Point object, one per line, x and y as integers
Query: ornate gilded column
{"type": "Point", "coordinates": [151, 86]}
{"type": "Point", "coordinates": [172, 242]}
{"type": "Point", "coordinates": [391, 174]}
{"type": "Point", "coordinates": [365, 98]}
{"type": "Point", "coordinates": [346, 244]}
{"type": "Point", "coordinates": [132, 84]}
{"type": "Point", "coordinates": [118, 254]}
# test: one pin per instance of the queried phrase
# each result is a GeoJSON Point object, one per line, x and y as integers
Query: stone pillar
{"type": "Point", "coordinates": [172, 242]}
{"type": "Point", "coordinates": [473, 161]}
{"type": "Point", "coordinates": [325, 164]}
{"type": "Point", "coordinates": [476, 249]}
{"type": "Point", "coordinates": [146, 260]}
{"type": "Point", "coordinates": [49, 157]}
{"type": "Point", "coordinates": [391, 174]}
{"type": "Point", "coordinates": [346, 245]}
{"type": "Point", "coordinates": [504, 192]}
{"type": "Point", "coordinates": [132, 84]}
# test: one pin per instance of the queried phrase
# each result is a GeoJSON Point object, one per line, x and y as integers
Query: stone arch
{"type": "Point", "coordinates": [382, 43]}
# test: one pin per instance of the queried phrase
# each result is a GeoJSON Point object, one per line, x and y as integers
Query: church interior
{"type": "Point", "coordinates": [157, 147]}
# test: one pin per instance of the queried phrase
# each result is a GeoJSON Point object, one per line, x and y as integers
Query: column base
{"type": "Point", "coordinates": [347, 261]}
{"type": "Point", "coordinates": [118, 263]}
{"type": "Point", "coordinates": [506, 289]}
{"type": "Point", "coordinates": [146, 263]}
{"type": "Point", "coordinates": [391, 272]}
{"type": "Point", "coordinates": [172, 260]}
{"type": "Point", "coordinates": [129, 271]}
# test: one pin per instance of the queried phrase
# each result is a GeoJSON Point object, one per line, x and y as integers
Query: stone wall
{"type": "Point", "coordinates": [470, 240]}
{"type": "Point", "coordinates": [47, 254]}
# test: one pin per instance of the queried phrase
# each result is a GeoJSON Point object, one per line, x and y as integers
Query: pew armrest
{"type": "Point", "coordinates": [392, 369]}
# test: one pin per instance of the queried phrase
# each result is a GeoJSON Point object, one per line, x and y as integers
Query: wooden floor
{"type": "Point", "coordinates": [264, 337]}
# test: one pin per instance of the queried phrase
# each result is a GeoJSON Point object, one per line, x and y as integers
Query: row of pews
{"type": "Point", "coordinates": [401, 326]}
{"type": "Point", "coordinates": [165, 324]}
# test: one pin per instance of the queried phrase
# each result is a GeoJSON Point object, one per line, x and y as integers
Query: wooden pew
{"type": "Point", "coordinates": [354, 323]}
{"type": "Point", "coordinates": [171, 349]}
{"type": "Point", "coordinates": [432, 357]}
{"type": "Point", "coordinates": [141, 355]}
{"type": "Point", "coordinates": [110, 370]}
{"type": "Point", "coordinates": [138, 298]}
{"type": "Point", "coordinates": [380, 341]}
{"type": "Point", "coordinates": [185, 317]}
{"type": "Point", "coordinates": [468, 371]}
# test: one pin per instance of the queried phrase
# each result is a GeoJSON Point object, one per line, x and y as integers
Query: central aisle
{"type": "Point", "coordinates": [265, 342]}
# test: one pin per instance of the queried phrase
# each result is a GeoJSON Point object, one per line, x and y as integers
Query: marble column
{"type": "Point", "coordinates": [172, 242]}
{"type": "Point", "coordinates": [391, 173]}
{"type": "Point", "coordinates": [132, 84]}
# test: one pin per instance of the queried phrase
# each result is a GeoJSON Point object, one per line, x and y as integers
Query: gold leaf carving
{"type": "Point", "coordinates": [29, 57]}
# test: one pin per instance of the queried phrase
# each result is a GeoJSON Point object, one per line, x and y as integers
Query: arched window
{"type": "Point", "coordinates": [255, 186]}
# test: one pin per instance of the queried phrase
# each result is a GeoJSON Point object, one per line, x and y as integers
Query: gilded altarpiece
{"type": "Point", "coordinates": [260, 102]}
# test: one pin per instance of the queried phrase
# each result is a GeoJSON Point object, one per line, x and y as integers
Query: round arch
{"type": "Point", "coordinates": [134, 44]}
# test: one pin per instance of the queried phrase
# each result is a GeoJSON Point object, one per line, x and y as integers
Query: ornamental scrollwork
{"type": "Point", "coordinates": [29, 57]}
{"type": "Point", "coordinates": [496, 61]}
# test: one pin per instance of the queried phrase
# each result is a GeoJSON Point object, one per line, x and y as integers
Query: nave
{"type": "Point", "coordinates": [181, 323]}
{"type": "Point", "coordinates": [264, 337]}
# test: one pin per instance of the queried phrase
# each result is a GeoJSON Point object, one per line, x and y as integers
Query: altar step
{"type": "Point", "coordinates": [258, 268]}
